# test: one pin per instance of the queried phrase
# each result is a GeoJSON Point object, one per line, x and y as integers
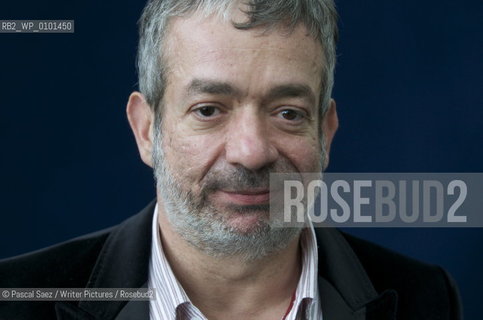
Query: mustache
{"type": "Point", "coordinates": [237, 178]}
{"type": "Point", "coordinates": [240, 178]}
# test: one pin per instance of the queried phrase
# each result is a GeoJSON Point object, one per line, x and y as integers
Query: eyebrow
{"type": "Point", "coordinates": [293, 90]}
{"type": "Point", "coordinates": [290, 90]}
{"type": "Point", "coordinates": [199, 86]}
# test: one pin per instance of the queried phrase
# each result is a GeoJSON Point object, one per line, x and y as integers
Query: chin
{"type": "Point", "coordinates": [247, 223]}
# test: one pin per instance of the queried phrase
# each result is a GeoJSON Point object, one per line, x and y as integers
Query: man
{"type": "Point", "coordinates": [229, 93]}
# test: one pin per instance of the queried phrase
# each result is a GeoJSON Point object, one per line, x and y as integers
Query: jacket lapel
{"type": "Point", "coordinates": [346, 291]}
{"type": "Point", "coordinates": [122, 263]}
{"type": "Point", "coordinates": [134, 310]}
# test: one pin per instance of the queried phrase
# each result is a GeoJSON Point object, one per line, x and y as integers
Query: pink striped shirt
{"type": "Point", "coordinates": [172, 302]}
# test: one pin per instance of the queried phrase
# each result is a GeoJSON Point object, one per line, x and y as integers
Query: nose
{"type": "Point", "coordinates": [248, 142]}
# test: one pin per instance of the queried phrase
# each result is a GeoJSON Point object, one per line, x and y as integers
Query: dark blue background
{"type": "Point", "coordinates": [408, 87]}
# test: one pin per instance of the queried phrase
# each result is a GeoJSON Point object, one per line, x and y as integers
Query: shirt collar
{"type": "Point", "coordinates": [171, 297]}
{"type": "Point", "coordinates": [307, 304]}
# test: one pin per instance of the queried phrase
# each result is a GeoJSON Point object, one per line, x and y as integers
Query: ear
{"type": "Point", "coordinates": [141, 119]}
{"type": "Point", "coordinates": [329, 124]}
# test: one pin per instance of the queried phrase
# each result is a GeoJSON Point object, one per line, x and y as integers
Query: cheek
{"type": "Point", "coordinates": [190, 157]}
{"type": "Point", "coordinates": [304, 153]}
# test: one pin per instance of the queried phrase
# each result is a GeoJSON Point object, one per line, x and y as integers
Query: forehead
{"type": "Point", "coordinates": [201, 46]}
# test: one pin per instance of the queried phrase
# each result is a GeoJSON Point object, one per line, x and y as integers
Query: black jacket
{"type": "Point", "coordinates": [357, 279]}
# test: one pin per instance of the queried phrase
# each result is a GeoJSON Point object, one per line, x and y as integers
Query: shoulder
{"type": "Point", "coordinates": [67, 264]}
{"type": "Point", "coordinates": [92, 260]}
{"type": "Point", "coordinates": [420, 286]}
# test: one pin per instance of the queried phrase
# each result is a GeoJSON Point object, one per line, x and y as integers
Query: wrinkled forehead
{"type": "Point", "coordinates": [196, 33]}
{"type": "Point", "coordinates": [201, 45]}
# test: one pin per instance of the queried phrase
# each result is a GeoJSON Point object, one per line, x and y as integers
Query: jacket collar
{"type": "Point", "coordinates": [122, 263]}
{"type": "Point", "coordinates": [345, 289]}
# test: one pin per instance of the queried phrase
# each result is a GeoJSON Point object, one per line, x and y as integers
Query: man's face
{"type": "Point", "coordinates": [238, 105]}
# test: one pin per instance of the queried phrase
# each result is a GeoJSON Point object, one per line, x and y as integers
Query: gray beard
{"type": "Point", "coordinates": [204, 227]}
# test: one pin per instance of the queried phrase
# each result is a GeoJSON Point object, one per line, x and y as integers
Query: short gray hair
{"type": "Point", "coordinates": [318, 16]}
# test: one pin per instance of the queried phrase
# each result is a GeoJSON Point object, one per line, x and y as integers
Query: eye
{"type": "Point", "coordinates": [292, 115]}
{"type": "Point", "coordinates": [207, 111]}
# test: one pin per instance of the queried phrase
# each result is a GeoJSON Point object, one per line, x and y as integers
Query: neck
{"type": "Point", "coordinates": [232, 286]}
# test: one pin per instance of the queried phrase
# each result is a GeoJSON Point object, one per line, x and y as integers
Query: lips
{"type": "Point", "coordinates": [246, 197]}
